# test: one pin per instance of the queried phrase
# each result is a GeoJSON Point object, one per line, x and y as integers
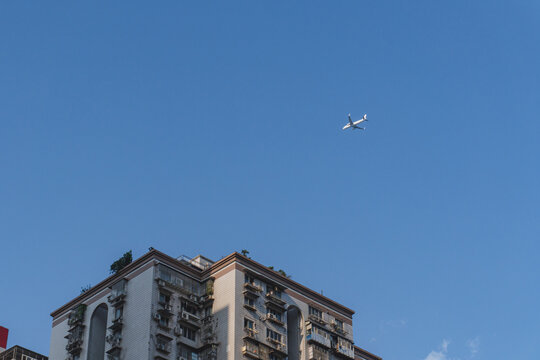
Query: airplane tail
{"type": "Point", "coordinates": [365, 117]}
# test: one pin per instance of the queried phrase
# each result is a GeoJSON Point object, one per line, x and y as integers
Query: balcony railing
{"type": "Point", "coordinates": [317, 319]}
{"type": "Point", "coordinates": [250, 351]}
{"type": "Point", "coordinates": [277, 345]}
{"type": "Point", "coordinates": [252, 287]}
{"type": "Point", "coordinates": [275, 299]}
{"type": "Point", "coordinates": [345, 351]}
{"type": "Point", "coordinates": [318, 338]}
{"type": "Point", "coordinates": [116, 296]}
{"type": "Point", "coordinates": [165, 348]}
{"type": "Point", "coordinates": [251, 333]}
{"type": "Point", "coordinates": [274, 319]}
{"type": "Point", "coordinates": [114, 340]}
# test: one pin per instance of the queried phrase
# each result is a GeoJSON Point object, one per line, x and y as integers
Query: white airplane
{"type": "Point", "coordinates": [354, 125]}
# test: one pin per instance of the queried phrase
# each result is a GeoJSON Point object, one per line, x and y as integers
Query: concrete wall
{"type": "Point", "coordinates": [225, 309]}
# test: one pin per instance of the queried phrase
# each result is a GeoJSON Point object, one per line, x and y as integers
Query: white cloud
{"type": "Point", "coordinates": [441, 353]}
{"type": "Point", "coordinates": [436, 355]}
{"type": "Point", "coordinates": [444, 345]}
{"type": "Point", "coordinates": [474, 346]}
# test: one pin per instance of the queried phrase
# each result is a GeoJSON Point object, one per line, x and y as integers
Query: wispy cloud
{"type": "Point", "coordinates": [441, 353]}
{"type": "Point", "coordinates": [474, 346]}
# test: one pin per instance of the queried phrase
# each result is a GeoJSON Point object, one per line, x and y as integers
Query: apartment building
{"type": "Point", "coordinates": [19, 353]}
{"type": "Point", "coordinates": [164, 308]}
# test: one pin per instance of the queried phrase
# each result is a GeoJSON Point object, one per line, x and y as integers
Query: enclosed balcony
{"type": "Point", "coordinates": [117, 324]}
{"type": "Point", "coordinates": [251, 334]}
{"type": "Point", "coordinates": [275, 300]}
{"type": "Point", "coordinates": [76, 316]}
{"type": "Point", "coordinates": [165, 309]}
{"type": "Point", "coordinates": [114, 341]}
{"type": "Point", "coordinates": [274, 318]}
{"type": "Point", "coordinates": [317, 353]}
{"type": "Point", "coordinates": [344, 348]}
{"type": "Point", "coordinates": [190, 319]}
{"type": "Point", "coordinates": [251, 350]}
{"type": "Point", "coordinates": [317, 319]}
{"type": "Point", "coordinates": [319, 339]}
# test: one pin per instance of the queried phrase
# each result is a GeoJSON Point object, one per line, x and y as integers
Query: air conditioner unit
{"type": "Point", "coordinates": [167, 307]}
{"type": "Point", "coordinates": [178, 331]}
{"type": "Point", "coordinates": [160, 346]}
{"type": "Point", "coordinates": [185, 316]}
{"type": "Point", "coordinates": [157, 317]}
{"type": "Point", "coordinates": [193, 297]}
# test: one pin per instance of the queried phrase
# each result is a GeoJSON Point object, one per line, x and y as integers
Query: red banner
{"type": "Point", "coordinates": [3, 337]}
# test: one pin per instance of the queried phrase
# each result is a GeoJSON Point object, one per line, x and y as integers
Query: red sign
{"type": "Point", "coordinates": [3, 337]}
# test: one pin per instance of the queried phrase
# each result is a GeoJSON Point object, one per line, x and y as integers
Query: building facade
{"type": "Point", "coordinates": [165, 308]}
{"type": "Point", "coordinates": [20, 353]}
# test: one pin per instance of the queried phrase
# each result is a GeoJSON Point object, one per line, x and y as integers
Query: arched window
{"type": "Point", "coordinates": [98, 330]}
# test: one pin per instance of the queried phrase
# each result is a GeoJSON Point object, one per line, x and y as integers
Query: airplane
{"type": "Point", "coordinates": [354, 125]}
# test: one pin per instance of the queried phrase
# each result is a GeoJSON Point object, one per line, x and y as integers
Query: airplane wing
{"type": "Point", "coordinates": [350, 120]}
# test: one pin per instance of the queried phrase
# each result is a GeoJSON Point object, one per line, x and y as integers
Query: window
{"type": "Point", "coordinates": [188, 332]}
{"type": "Point", "coordinates": [315, 312]}
{"type": "Point", "coordinates": [273, 335]}
{"type": "Point", "coordinates": [251, 347]}
{"type": "Point", "coordinates": [164, 298]}
{"type": "Point", "coordinates": [274, 357]}
{"type": "Point", "coordinates": [274, 290]}
{"type": "Point", "coordinates": [163, 321]}
{"type": "Point", "coordinates": [26, 357]}
{"type": "Point", "coordinates": [339, 324]}
{"type": "Point", "coordinates": [273, 313]}
{"type": "Point", "coordinates": [248, 279]}
{"type": "Point", "coordinates": [207, 311]}
{"type": "Point", "coordinates": [249, 301]}
{"type": "Point", "coordinates": [248, 324]}
{"type": "Point", "coordinates": [118, 313]}
{"type": "Point", "coordinates": [188, 307]}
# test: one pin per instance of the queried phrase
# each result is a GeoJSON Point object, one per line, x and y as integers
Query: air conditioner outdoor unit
{"type": "Point", "coordinates": [178, 331]}
{"type": "Point", "coordinates": [185, 316]}
{"type": "Point", "coordinates": [157, 317]}
{"type": "Point", "coordinates": [193, 297]}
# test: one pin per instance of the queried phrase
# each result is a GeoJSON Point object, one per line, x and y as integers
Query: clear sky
{"type": "Point", "coordinates": [211, 127]}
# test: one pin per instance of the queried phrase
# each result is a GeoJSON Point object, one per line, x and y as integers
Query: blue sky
{"type": "Point", "coordinates": [199, 127]}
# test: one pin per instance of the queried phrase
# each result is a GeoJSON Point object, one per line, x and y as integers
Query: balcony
{"type": "Point", "coordinates": [165, 309]}
{"type": "Point", "coordinates": [189, 318]}
{"type": "Point", "coordinates": [252, 287]}
{"type": "Point", "coordinates": [114, 341]}
{"type": "Point", "coordinates": [273, 318]}
{"type": "Point", "coordinates": [117, 324]}
{"type": "Point", "coordinates": [192, 298]}
{"type": "Point", "coordinates": [317, 319]}
{"type": "Point", "coordinates": [116, 297]}
{"type": "Point", "coordinates": [206, 299]}
{"type": "Point", "coordinates": [164, 348]}
{"type": "Point", "coordinates": [74, 346]}
{"type": "Point", "coordinates": [319, 339]}
{"type": "Point", "coordinates": [315, 353]}
{"type": "Point", "coordinates": [344, 351]}
{"type": "Point", "coordinates": [337, 328]}
{"type": "Point", "coordinates": [251, 334]}
{"type": "Point", "coordinates": [277, 346]}
{"type": "Point", "coordinates": [251, 351]}
{"type": "Point", "coordinates": [76, 316]}
{"type": "Point", "coordinates": [275, 300]}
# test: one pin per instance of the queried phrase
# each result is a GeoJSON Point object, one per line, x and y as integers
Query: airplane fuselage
{"type": "Point", "coordinates": [354, 125]}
